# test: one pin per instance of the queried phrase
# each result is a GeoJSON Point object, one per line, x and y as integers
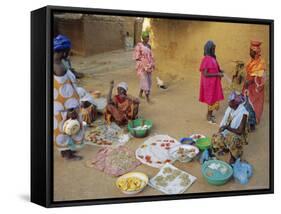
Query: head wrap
{"type": "Point", "coordinates": [255, 46]}
{"type": "Point", "coordinates": [61, 43]}
{"type": "Point", "coordinates": [84, 95]}
{"type": "Point", "coordinates": [209, 49]}
{"type": "Point", "coordinates": [237, 97]}
{"type": "Point", "coordinates": [123, 85]}
{"type": "Point", "coordinates": [144, 34]}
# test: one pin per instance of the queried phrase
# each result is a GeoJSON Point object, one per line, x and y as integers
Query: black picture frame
{"type": "Point", "coordinates": [42, 109]}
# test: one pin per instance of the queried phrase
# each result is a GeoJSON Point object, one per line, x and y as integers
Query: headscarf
{"type": "Point", "coordinates": [123, 85]}
{"type": "Point", "coordinates": [237, 97]}
{"type": "Point", "coordinates": [144, 34]}
{"type": "Point", "coordinates": [255, 46]}
{"type": "Point", "coordinates": [256, 66]}
{"type": "Point", "coordinates": [209, 49]}
{"type": "Point", "coordinates": [84, 95]}
{"type": "Point", "coordinates": [61, 43]}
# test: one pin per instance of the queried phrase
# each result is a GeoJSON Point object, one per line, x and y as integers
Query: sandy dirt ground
{"type": "Point", "coordinates": [175, 111]}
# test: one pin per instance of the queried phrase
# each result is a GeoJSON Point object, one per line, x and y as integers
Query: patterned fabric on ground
{"type": "Point", "coordinates": [115, 161]}
{"type": "Point", "coordinates": [154, 151]}
{"type": "Point", "coordinates": [171, 180]}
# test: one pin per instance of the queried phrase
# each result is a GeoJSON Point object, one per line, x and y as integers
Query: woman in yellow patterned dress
{"type": "Point", "coordinates": [66, 104]}
{"type": "Point", "coordinates": [228, 143]}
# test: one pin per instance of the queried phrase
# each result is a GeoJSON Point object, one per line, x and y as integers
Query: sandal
{"type": "Point", "coordinates": [70, 155]}
{"type": "Point", "coordinates": [212, 119]}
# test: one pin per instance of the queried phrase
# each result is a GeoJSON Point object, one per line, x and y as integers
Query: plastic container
{"type": "Point", "coordinates": [143, 177]}
{"type": "Point", "coordinates": [139, 133]}
{"type": "Point", "coordinates": [203, 143]}
{"type": "Point", "coordinates": [187, 140]}
{"type": "Point", "coordinates": [218, 176]}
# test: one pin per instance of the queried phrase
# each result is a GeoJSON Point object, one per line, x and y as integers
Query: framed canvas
{"type": "Point", "coordinates": [132, 106]}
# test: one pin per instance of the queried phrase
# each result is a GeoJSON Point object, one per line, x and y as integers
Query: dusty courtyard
{"type": "Point", "coordinates": [175, 111]}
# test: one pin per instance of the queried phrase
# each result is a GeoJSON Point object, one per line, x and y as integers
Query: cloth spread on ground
{"type": "Point", "coordinates": [155, 150]}
{"type": "Point", "coordinates": [115, 161]}
{"type": "Point", "coordinates": [171, 180]}
{"type": "Point", "coordinates": [102, 134]}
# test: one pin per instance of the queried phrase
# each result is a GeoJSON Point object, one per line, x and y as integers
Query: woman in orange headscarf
{"type": "Point", "coordinates": [255, 80]}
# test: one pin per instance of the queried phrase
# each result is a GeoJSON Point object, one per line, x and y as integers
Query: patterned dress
{"type": "Point", "coordinates": [65, 98]}
{"type": "Point", "coordinates": [227, 142]}
{"type": "Point", "coordinates": [144, 65]}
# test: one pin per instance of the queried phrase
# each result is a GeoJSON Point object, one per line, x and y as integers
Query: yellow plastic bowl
{"type": "Point", "coordinates": [143, 177]}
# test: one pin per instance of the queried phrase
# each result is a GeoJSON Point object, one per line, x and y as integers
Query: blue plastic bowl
{"type": "Point", "coordinates": [187, 140]}
{"type": "Point", "coordinates": [215, 177]}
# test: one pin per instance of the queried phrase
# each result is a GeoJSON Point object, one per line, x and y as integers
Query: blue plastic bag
{"type": "Point", "coordinates": [204, 156]}
{"type": "Point", "coordinates": [242, 171]}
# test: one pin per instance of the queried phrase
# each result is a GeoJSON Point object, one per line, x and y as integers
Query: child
{"type": "Point", "coordinates": [88, 108]}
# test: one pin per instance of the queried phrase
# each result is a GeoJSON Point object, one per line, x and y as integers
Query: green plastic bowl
{"type": "Point", "coordinates": [203, 143]}
{"type": "Point", "coordinates": [139, 122]}
{"type": "Point", "coordinates": [215, 177]}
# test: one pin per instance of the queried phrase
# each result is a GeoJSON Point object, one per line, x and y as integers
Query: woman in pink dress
{"type": "Point", "coordinates": [144, 65]}
{"type": "Point", "coordinates": [210, 84]}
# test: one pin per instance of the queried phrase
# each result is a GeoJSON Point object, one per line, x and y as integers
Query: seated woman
{"type": "Point", "coordinates": [228, 143]}
{"type": "Point", "coordinates": [88, 107]}
{"type": "Point", "coordinates": [121, 108]}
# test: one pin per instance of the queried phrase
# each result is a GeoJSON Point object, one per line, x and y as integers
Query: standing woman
{"type": "Point", "coordinates": [144, 65]}
{"type": "Point", "coordinates": [210, 84]}
{"type": "Point", "coordinates": [66, 105]}
{"type": "Point", "coordinates": [255, 80]}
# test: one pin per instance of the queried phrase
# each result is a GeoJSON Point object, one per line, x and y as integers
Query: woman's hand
{"type": "Point", "coordinates": [109, 100]}
{"type": "Point", "coordinates": [222, 128]}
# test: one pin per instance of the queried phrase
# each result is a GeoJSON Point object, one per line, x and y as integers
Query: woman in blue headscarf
{"type": "Point", "coordinates": [66, 105]}
{"type": "Point", "coordinates": [66, 46]}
